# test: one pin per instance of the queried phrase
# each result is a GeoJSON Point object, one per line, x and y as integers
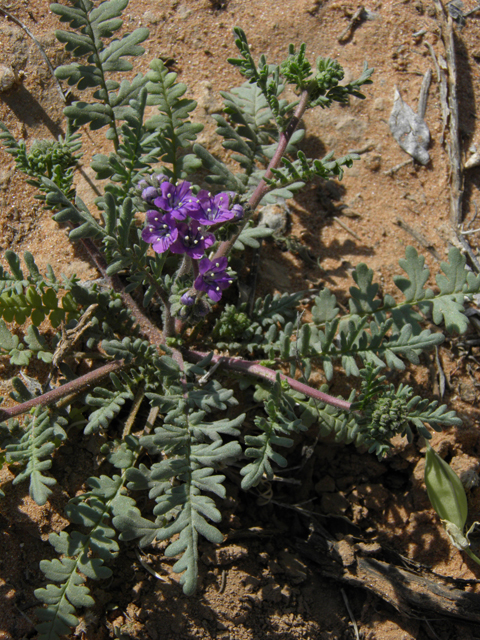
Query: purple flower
{"type": "Point", "coordinates": [160, 231]}
{"type": "Point", "coordinates": [213, 277]}
{"type": "Point", "coordinates": [192, 240]}
{"type": "Point", "coordinates": [177, 200]}
{"type": "Point", "coordinates": [215, 209]}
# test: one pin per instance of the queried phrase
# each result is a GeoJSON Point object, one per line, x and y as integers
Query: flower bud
{"type": "Point", "coordinates": [187, 299]}
{"type": "Point", "coordinates": [149, 194]}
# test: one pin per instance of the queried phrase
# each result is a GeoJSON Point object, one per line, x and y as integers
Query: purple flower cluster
{"type": "Point", "coordinates": [178, 221]}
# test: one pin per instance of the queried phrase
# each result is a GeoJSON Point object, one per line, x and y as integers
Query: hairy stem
{"type": "Point", "coordinates": [147, 327]}
{"type": "Point", "coordinates": [70, 388]}
{"type": "Point", "coordinates": [259, 371]}
{"type": "Point", "coordinates": [185, 267]}
{"type": "Point", "coordinates": [101, 73]}
{"type": "Point", "coordinates": [263, 188]}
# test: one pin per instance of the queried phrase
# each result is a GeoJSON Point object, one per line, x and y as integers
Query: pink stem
{"type": "Point", "coordinates": [74, 386]}
{"type": "Point", "coordinates": [258, 370]}
{"type": "Point", "coordinates": [262, 188]}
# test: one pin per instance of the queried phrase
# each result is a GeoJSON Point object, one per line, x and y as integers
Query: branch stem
{"type": "Point", "coordinates": [147, 327]}
{"type": "Point", "coordinates": [263, 188]}
{"type": "Point", "coordinates": [73, 387]}
{"type": "Point", "coordinates": [259, 371]}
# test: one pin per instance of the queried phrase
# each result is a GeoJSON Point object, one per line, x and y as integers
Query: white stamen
{"type": "Point", "coordinates": [217, 264]}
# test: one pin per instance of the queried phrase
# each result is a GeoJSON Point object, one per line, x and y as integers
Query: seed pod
{"type": "Point", "coordinates": [445, 491]}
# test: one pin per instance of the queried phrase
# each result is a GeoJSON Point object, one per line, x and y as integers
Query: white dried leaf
{"type": "Point", "coordinates": [409, 130]}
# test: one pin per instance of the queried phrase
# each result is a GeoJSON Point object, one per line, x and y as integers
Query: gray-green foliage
{"type": "Point", "coordinates": [189, 450]}
{"type": "Point", "coordinates": [40, 434]}
{"type": "Point", "coordinates": [83, 555]}
{"type": "Point", "coordinates": [55, 160]}
{"type": "Point", "coordinates": [194, 430]}
{"type": "Point", "coordinates": [91, 29]}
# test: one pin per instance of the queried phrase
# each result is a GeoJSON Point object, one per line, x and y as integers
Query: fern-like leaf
{"type": "Point", "coordinates": [83, 554]}
{"type": "Point", "coordinates": [90, 28]}
{"type": "Point", "coordinates": [281, 422]}
{"type": "Point", "coordinates": [42, 434]}
{"type": "Point", "coordinates": [173, 120]}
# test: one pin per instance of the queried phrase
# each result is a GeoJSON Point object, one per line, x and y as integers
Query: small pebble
{"type": "Point", "coordinates": [7, 78]}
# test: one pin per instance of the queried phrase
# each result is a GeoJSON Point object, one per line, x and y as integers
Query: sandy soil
{"type": "Point", "coordinates": [260, 583]}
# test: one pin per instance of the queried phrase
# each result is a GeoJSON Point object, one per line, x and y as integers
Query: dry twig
{"type": "Point", "coordinates": [347, 228]}
{"type": "Point", "coordinates": [422, 241]}
{"type": "Point", "coordinates": [357, 17]}
{"type": "Point", "coordinates": [347, 605]}
{"type": "Point", "coordinates": [397, 167]}
{"type": "Point", "coordinates": [39, 47]}
{"type": "Point", "coordinates": [453, 145]}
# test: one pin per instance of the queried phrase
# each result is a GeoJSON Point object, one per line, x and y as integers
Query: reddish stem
{"type": "Point", "coordinates": [263, 188]}
{"type": "Point", "coordinates": [259, 371]}
{"type": "Point", "coordinates": [74, 386]}
{"type": "Point", "coordinates": [147, 327]}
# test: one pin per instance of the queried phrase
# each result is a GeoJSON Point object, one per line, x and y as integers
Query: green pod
{"type": "Point", "coordinates": [445, 491]}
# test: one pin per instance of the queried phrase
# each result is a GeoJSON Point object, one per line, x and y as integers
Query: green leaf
{"type": "Point", "coordinates": [325, 308]}
{"type": "Point", "coordinates": [445, 491]}
{"type": "Point", "coordinates": [249, 237]}
{"type": "Point", "coordinates": [449, 307]}
{"type": "Point", "coordinates": [43, 432]}
{"type": "Point", "coordinates": [173, 120]}
{"type": "Point", "coordinates": [92, 26]}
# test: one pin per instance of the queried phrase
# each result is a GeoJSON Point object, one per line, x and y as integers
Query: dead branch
{"type": "Point", "coordinates": [408, 591]}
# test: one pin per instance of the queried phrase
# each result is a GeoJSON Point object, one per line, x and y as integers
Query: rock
{"type": "Point", "coordinates": [467, 391]}
{"type": "Point", "coordinates": [224, 555]}
{"type": "Point", "coordinates": [325, 485]}
{"type": "Point", "coordinates": [351, 128]}
{"type": "Point", "coordinates": [18, 46]}
{"type": "Point", "coordinates": [294, 568]}
{"type": "Point", "coordinates": [183, 11]}
{"type": "Point", "coordinates": [344, 549]}
{"type": "Point", "coordinates": [8, 79]}
{"type": "Point", "coordinates": [373, 161]}
{"type": "Point", "coordinates": [309, 6]}
{"type": "Point", "coordinates": [5, 177]}
{"type": "Point", "coordinates": [474, 159]}
{"type": "Point", "coordinates": [466, 467]}
{"type": "Point", "coordinates": [151, 17]}
{"type": "Point", "coordinates": [207, 100]}
{"type": "Point", "coordinates": [334, 503]}
{"type": "Point", "coordinates": [275, 217]}
{"type": "Point", "coordinates": [286, 594]}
